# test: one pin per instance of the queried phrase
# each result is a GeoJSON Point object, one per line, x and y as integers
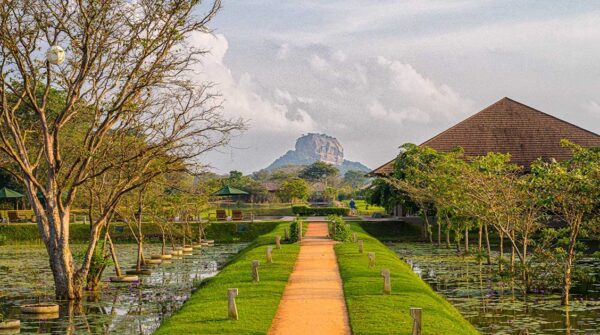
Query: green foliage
{"type": "Point", "coordinates": [206, 310]}
{"type": "Point", "coordinates": [339, 230]}
{"type": "Point", "coordinates": [397, 231]}
{"type": "Point", "coordinates": [318, 171]}
{"type": "Point", "coordinates": [304, 210]}
{"type": "Point", "coordinates": [222, 232]}
{"type": "Point", "coordinates": [2, 239]}
{"type": "Point", "coordinates": [293, 189]}
{"type": "Point", "coordinates": [371, 312]}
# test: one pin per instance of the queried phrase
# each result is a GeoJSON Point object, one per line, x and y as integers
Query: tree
{"type": "Point", "coordinates": [294, 189]}
{"type": "Point", "coordinates": [122, 88]}
{"type": "Point", "coordinates": [571, 190]}
{"type": "Point", "coordinates": [318, 171]}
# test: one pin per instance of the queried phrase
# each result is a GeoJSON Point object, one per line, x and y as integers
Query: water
{"type": "Point", "coordinates": [120, 308]}
{"type": "Point", "coordinates": [496, 307]}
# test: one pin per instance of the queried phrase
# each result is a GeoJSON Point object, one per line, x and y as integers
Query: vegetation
{"type": "Point", "coordinates": [372, 312]}
{"type": "Point", "coordinates": [113, 117]}
{"type": "Point", "coordinates": [221, 232]}
{"type": "Point", "coordinates": [206, 311]}
{"type": "Point", "coordinates": [304, 210]}
{"type": "Point", "coordinates": [490, 192]}
{"type": "Point", "coordinates": [319, 171]}
{"type": "Point", "coordinates": [293, 190]}
{"type": "Point", "coordinates": [339, 230]}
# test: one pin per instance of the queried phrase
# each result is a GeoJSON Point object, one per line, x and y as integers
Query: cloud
{"type": "Point", "coordinates": [241, 98]}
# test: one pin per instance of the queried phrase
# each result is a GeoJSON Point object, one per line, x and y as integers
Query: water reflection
{"type": "Point", "coordinates": [497, 307]}
{"type": "Point", "coordinates": [119, 308]}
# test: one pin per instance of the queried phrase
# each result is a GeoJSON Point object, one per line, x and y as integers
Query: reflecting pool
{"type": "Point", "coordinates": [495, 307]}
{"type": "Point", "coordinates": [120, 308]}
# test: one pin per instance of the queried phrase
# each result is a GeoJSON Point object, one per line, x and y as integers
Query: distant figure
{"type": "Point", "coordinates": [352, 205]}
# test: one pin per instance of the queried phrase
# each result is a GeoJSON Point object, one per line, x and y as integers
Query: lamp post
{"type": "Point", "coordinates": [55, 55]}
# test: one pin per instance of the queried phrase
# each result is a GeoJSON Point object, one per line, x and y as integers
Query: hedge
{"type": "Point", "coordinates": [319, 211]}
{"type": "Point", "coordinates": [222, 232]}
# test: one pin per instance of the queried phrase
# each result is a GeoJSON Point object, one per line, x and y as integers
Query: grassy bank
{"type": "Point", "coordinates": [371, 312]}
{"type": "Point", "coordinates": [222, 232]}
{"type": "Point", "coordinates": [206, 311]}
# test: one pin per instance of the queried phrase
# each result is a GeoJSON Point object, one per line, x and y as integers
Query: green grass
{"type": "Point", "coordinates": [363, 208]}
{"type": "Point", "coordinates": [371, 312]}
{"type": "Point", "coordinates": [206, 311]}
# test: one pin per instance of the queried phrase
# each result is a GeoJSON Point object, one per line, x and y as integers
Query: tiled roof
{"type": "Point", "coordinates": [509, 126]}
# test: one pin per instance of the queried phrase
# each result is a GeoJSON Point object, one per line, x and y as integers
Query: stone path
{"type": "Point", "coordinates": [313, 300]}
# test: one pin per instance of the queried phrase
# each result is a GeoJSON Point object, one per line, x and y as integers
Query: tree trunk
{"type": "Point", "coordinates": [466, 240]}
{"type": "Point", "coordinates": [111, 247]}
{"type": "Point", "coordinates": [487, 244]}
{"type": "Point", "coordinates": [565, 297]}
{"type": "Point", "coordinates": [479, 240]}
{"type": "Point", "coordinates": [439, 232]}
{"type": "Point", "coordinates": [447, 238]}
{"type": "Point", "coordinates": [501, 255]}
{"type": "Point", "coordinates": [512, 254]}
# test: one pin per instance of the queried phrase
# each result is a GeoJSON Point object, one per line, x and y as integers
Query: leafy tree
{"type": "Point", "coordinates": [571, 190]}
{"type": "Point", "coordinates": [318, 171]}
{"type": "Point", "coordinates": [121, 91]}
{"type": "Point", "coordinates": [294, 189]}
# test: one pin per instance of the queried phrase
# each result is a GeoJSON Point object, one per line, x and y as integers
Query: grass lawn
{"type": "Point", "coordinates": [363, 208]}
{"type": "Point", "coordinates": [371, 312]}
{"type": "Point", "coordinates": [206, 311]}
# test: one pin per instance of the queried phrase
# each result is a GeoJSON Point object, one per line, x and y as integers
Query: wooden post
{"type": "Point", "coordinates": [286, 234]}
{"type": "Point", "coordinates": [371, 259]}
{"type": "Point", "coordinates": [415, 313]}
{"type": "Point", "coordinates": [231, 294]}
{"type": "Point", "coordinates": [360, 246]}
{"type": "Point", "coordinates": [255, 277]}
{"type": "Point", "coordinates": [277, 242]}
{"type": "Point", "coordinates": [299, 226]}
{"type": "Point", "coordinates": [387, 285]}
{"type": "Point", "coordinates": [269, 255]}
{"type": "Point", "coordinates": [354, 237]}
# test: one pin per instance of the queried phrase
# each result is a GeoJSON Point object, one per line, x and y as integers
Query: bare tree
{"type": "Point", "coordinates": [120, 104]}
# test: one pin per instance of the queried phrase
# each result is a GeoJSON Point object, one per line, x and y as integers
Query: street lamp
{"type": "Point", "coordinates": [55, 55]}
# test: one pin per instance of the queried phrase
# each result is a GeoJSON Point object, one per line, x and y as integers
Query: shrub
{"type": "Point", "coordinates": [339, 230]}
{"type": "Point", "coordinates": [304, 210]}
{"type": "Point", "coordinates": [2, 239]}
{"type": "Point", "coordinates": [294, 231]}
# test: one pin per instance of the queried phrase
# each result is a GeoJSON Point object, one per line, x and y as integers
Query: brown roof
{"type": "Point", "coordinates": [508, 126]}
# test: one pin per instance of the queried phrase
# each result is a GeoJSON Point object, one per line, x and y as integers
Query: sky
{"type": "Point", "coordinates": [376, 74]}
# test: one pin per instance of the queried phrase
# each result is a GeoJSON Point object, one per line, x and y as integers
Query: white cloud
{"type": "Point", "coordinates": [241, 99]}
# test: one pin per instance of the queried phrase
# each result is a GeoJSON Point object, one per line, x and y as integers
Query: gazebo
{"type": "Point", "coordinates": [7, 193]}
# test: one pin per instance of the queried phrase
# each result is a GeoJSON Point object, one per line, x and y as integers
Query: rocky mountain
{"type": "Point", "coordinates": [317, 147]}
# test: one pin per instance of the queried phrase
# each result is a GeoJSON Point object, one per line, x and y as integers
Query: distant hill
{"type": "Point", "coordinates": [317, 147]}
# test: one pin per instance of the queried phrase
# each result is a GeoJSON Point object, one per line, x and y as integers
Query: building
{"type": "Point", "coordinates": [508, 126]}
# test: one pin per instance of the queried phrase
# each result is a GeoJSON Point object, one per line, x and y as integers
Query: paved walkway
{"type": "Point", "coordinates": [313, 301]}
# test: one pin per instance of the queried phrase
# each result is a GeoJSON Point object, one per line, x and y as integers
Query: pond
{"type": "Point", "coordinates": [120, 308]}
{"type": "Point", "coordinates": [494, 307]}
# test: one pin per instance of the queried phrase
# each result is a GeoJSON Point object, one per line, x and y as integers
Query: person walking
{"type": "Point", "coordinates": [352, 205]}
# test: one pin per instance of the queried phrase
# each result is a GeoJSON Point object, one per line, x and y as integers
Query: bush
{"type": "Point", "coordinates": [222, 232]}
{"type": "Point", "coordinates": [2, 239]}
{"type": "Point", "coordinates": [304, 210]}
{"type": "Point", "coordinates": [339, 230]}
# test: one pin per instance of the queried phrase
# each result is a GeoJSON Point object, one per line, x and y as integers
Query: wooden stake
{"type": "Point", "coordinates": [277, 242]}
{"type": "Point", "coordinates": [231, 294]}
{"type": "Point", "coordinates": [360, 246]}
{"type": "Point", "coordinates": [371, 259]}
{"type": "Point", "coordinates": [387, 285]}
{"type": "Point", "coordinates": [269, 255]}
{"type": "Point", "coordinates": [415, 313]}
{"type": "Point", "coordinates": [299, 226]}
{"type": "Point", "coordinates": [255, 277]}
